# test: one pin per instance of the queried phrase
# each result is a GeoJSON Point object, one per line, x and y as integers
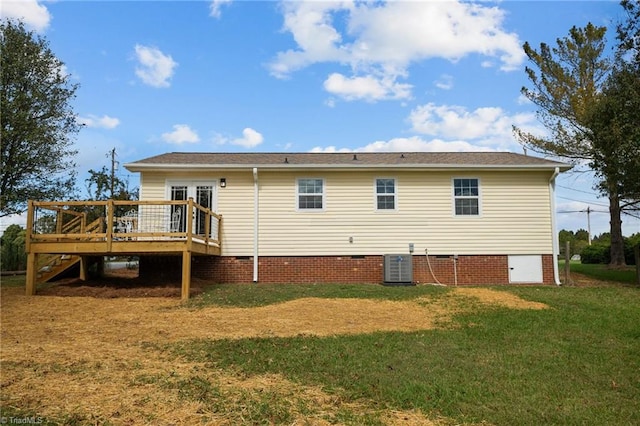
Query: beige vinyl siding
{"type": "Point", "coordinates": [515, 216]}
{"type": "Point", "coordinates": [514, 213]}
{"type": "Point", "coordinates": [234, 203]}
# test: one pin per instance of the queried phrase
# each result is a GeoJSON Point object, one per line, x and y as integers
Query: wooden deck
{"type": "Point", "coordinates": [118, 228]}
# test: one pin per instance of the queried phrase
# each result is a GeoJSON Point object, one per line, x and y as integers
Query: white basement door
{"type": "Point", "coordinates": [525, 269]}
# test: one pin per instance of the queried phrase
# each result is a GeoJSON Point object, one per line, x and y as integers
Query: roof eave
{"type": "Point", "coordinates": [140, 167]}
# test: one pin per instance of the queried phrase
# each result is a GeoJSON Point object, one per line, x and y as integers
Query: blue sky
{"type": "Point", "coordinates": [241, 76]}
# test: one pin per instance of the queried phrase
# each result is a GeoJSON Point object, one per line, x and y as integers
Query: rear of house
{"type": "Point", "coordinates": [453, 218]}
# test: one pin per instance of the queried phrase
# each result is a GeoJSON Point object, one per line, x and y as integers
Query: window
{"type": "Point", "coordinates": [466, 196]}
{"type": "Point", "coordinates": [310, 194]}
{"type": "Point", "coordinates": [385, 194]}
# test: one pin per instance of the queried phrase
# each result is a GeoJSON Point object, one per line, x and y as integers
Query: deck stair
{"type": "Point", "coordinates": [52, 265]}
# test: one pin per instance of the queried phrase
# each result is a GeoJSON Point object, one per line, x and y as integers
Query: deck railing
{"type": "Point", "coordinates": [117, 220]}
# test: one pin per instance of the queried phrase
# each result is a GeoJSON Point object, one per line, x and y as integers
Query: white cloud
{"type": "Point", "coordinates": [453, 128]}
{"type": "Point", "coordinates": [216, 6]}
{"type": "Point", "coordinates": [250, 138]}
{"type": "Point", "coordinates": [182, 133]}
{"type": "Point", "coordinates": [487, 125]}
{"type": "Point", "coordinates": [13, 219]}
{"type": "Point", "coordinates": [402, 32]}
{"type": "Point", "coordinates": [523, 100]}
{"type": "Point", "coordinates": [286, 147]}
{"type": "Point", "coordinates": [104, 122]}
{"type": "Point", "coordinates": [412, 144]}
{"type": "Point", "coordinates": [367, 88]}
{"type": "Point", "coordinates": [381, 39]}
{"type": "Point", "coordinates": [445, 82]}
{"type": "Point", "coordinates": [33, 14]}
{"type": "Point", "coordinates": [311, 27]}
{"type": "Point", "coordinates": [154, 67]}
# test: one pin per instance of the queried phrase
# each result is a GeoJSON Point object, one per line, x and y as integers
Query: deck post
{"type": "Point", "coordinates": [30, 286]}
{"type": "Point", "coordinates": [110, 212]}
{"type": "Point", "coordinates": [186, 274]}
{"type": "Point", "coordinates": [30, 214]}
{"type": "Point", "coordinates": [83, 268]}
{"type": "Point", "coordinates": [190, 216]}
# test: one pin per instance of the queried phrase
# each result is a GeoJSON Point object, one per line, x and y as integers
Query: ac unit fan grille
{"type": "Point", "coordinates": [398, 269]}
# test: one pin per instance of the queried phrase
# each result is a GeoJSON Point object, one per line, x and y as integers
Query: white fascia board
{"type": "Point", "coordinates": [135, 167]}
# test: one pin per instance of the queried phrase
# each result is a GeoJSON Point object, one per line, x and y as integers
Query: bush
{"type": "Point", "coordinates": [601, 253]}
{"type": "Point", "coordinates": [596, 253]}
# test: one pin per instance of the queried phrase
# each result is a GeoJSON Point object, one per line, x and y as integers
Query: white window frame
{"type": "Point", "coordinates": [376, 194]}
{"type": "Point", "coordinates": [322, 194]}
{"type": "Point", "coordinates": [455, 197]}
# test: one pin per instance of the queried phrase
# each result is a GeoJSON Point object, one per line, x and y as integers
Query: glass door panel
{"type": "Point", "coordinates": [177, 214]}
{"type": "Point", "coordinates": [204, 197]}
{"type": "Point", "coordinates": [202, 194]}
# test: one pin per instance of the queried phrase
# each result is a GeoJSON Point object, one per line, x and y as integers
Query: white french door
{"type": "Point", "coordinates": [203, 193]}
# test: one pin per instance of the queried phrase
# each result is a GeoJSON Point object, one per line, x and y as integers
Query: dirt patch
{"type": "Point", "coordinates": [498, 298]}
{"type": "Point", "coordinates": [90, 357]}
{"type": "Point", "coordinates": [120, 283]}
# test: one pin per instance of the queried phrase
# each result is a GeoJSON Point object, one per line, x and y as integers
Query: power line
{"type": "Point", "coordinates": [577, 190]}
{"type": "Point", "coordinates": [629, 214]}
{"type": "Point", "coordinates": [583, 201]}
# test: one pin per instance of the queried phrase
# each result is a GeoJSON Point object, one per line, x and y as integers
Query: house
{"type": "Point", "coordinates": [454, 218]}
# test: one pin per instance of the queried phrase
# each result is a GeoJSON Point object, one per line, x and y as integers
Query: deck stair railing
{"type": "Point", "coordinates": [51, 265]}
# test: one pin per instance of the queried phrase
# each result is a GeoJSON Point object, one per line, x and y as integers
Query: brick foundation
{"type": "Point", "coordinates": [470, 270]}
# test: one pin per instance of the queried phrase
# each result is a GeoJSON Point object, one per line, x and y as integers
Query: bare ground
{"type": "Point", "coordinates": [89, 357]}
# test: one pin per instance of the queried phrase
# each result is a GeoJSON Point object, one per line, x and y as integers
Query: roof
{"type": "Point", "coordinates": [343, 160]}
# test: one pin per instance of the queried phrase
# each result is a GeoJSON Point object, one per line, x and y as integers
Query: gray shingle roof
{"type": "Point", "coordinates": [206, 160]}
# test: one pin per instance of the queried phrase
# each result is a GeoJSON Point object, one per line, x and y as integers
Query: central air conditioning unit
{"type": "Point", "coordinates": [398, 269]}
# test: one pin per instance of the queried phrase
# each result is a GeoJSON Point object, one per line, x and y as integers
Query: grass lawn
{"type": "Point", "coordinates": [12, 281]}
{"type": "Point", "coordinates": [576, 363]}
{"type": "Point", "coordinates": [626, 275]}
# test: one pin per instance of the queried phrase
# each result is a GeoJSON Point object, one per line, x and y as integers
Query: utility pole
{"type": "Point", "coordinates": [113, 170]}
{"type": "Point", "coordinates": [589, 224]}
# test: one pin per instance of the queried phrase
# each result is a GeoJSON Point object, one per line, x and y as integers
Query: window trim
{"type": "Point", "coordinates": [455, 197]}
{"type": "Point", "coordinates": [376, 194]}
{"type": "Point", "coordinates": [323, 194]}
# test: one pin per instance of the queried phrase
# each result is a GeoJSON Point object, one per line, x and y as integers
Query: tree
{"type": "Point", "coordinates": [578, 240]}
{"type": "Point", "coordinates": [100, 184]}
{"type": "Point", "coordinates": [614, 124]}
{"type": "Point", "coordinates": [104, 184]}
{"type": "Point", "coordinates": [582, 235]}
{"type": "Point", "coordinates": [37, 121]}
{"type": "Point", "coordinates": [621, 98]}
{"type": "Point", "coordinates": [12, 253]}
{"type": "Point", "coordinates": [629, 31]}
{"type": "Point", "coordinates": [566, 89]}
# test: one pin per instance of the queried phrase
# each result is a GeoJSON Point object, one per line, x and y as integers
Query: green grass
{"type": "Point", "coordinates": [576, 363]}
{"type": "Point", "coordinates": [12, 281]}
{"type": "Point", "coordinates": [252, 295]}
{"type": "Point", "coordinates": [603, 272]}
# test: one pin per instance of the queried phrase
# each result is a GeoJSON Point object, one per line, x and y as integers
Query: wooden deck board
{"type": "Point", "coordinates": [131, 248]}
